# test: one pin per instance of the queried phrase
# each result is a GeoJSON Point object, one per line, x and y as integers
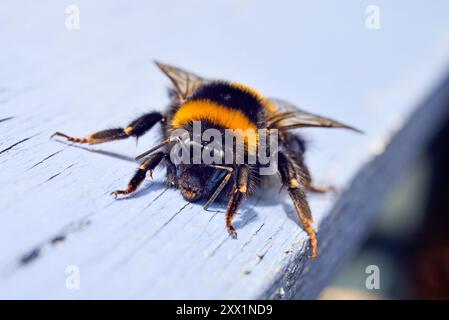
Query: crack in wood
{"type": "Point", "coordinates": [6, 119]}
{"type": "Point", "coordinates": [154, 199]}
{"type": "Point", "coordinates": [214, 215]}
{"type": "Point", "coordinates": [16, 144]}
{"type": "Point", "coordinates": [138, 248]}
{"type": "Point", "coordinates": [219, 246]}
{"type": "Point", "coordinates": [268, 243]}
{"type": "Point", "coordinates": [267, 246]}
{"type": "Point", "coordinates": [30, 256]}
{"type": "Point", "coordinates": [167, 222]}
{"type": "Point", "coordinates": [247, 221]}
{"type": "Point", "coordinates": [45, 159]}
{"type": "Point", "coordinates": [252, 237]}
{"type": "Point", "coordinates": [57, 174]}
{"type": "Point", "coordinates": [79, 225]}
{"type": "Point", "coordinates": [38, 250]}
{"type": "Point", "coordinates": [141, 211]}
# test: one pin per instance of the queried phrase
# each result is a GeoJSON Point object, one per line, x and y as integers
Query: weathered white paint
{"type": "Point", "coordinates": [155, 245]}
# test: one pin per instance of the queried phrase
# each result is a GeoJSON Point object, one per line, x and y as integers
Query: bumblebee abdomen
{"type": "Point", "coordinates": [226, 104]}
{"type": "Point", "coordinates": [232, 96]}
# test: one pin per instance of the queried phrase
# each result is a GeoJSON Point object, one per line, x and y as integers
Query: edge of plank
{"type": "Point", "coordinates": [349, 222]}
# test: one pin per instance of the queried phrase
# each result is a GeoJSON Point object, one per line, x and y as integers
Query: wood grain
{"type": "Point", "coordinates": [55, 207]}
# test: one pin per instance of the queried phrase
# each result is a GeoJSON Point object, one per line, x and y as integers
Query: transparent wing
{"type": "Point", "coordinates": [289, 116]}
{"type": "Point", "coordinates": [184, 81]}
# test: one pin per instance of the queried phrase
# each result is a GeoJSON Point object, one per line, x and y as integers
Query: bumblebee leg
{"type": "Point", "coordinates": [136, 129]}
{"type": "Point", "coordinates": [238, 194]}
{"type": "Point", "coordinates": [290, 181]}
{"type": "Point", "coordinates": [221, 186]}
{"type": "Point", "coordinates": [307, 181]}
{"type": "Point", "coordinates": [148, 165]}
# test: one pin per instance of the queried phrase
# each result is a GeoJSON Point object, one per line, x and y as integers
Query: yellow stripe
{"type": "Point", "coordinates": [227, 118]}
{"type": "Point", "coordinates": [197, 110]}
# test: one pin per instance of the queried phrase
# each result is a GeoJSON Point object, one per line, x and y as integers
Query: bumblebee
{"type": "Point", "coordinates": [223, 105]}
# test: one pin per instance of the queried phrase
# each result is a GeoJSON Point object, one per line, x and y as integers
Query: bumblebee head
{"type": "Point", "coordinates": [192, 182]}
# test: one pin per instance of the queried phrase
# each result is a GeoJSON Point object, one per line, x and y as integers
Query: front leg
{"type": "Point", "coordinates": [148, 165]}
{"type": "Point", "coordinates": [238, 195]}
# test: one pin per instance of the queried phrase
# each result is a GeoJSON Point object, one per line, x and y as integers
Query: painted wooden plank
{"type": "Point", "coordinates": [55, 207]}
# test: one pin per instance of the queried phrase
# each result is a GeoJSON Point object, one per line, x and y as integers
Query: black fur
{"type": "Point", "coordinates": [144, 123]}
{"type": "Point", "coordinates": [110, 134]}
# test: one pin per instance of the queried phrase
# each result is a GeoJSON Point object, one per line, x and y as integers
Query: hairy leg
{"type": "Point", "coordinates": [238, 195]}
{"type": "Point", "coordinates": [291, 181]}
{"type": "Point", "coordinates": [148, 165]}
{"type": "Point", "coordinates": [136, 129]}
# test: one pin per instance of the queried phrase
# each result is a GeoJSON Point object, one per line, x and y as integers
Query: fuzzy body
{"type": "Point", "coordinates": [220, 105]}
